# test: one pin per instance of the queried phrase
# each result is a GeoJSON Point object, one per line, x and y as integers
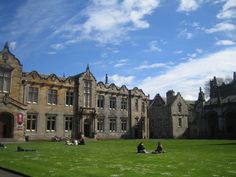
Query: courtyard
{"type": "Point", "coordinates": [116, 158]}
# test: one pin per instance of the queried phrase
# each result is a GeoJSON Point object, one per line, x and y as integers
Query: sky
{"type": "Point", "coordinates": [155, 45]}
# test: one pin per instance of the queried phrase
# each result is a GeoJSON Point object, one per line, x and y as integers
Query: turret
{"type": "Point", "coordinates": [213, 88]}
{"type": "Point", "coordinates": [201, 96]}
{"type": "Point", "coordinates": [170, 95]}
{"type": "Point", "coordinates": [106, 79]}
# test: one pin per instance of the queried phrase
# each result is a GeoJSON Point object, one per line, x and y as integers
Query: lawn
{"type": "Point", "coordinates": [116, 158]}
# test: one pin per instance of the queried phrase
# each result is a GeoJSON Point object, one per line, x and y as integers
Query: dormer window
{"type": "Point", "coordinates": [5, 80]}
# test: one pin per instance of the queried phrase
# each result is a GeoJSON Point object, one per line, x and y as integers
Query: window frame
{"type": "Point", "coordinates": [100, 125]}
{"type": "Point", "coordinates": [35, 95]}
{"type": "Point", "coordinates": [5, 80]}
{"type": "Point", "coordinates": [52, 97]}
{"type": "Point", "coordinates": [87, 93]}
{"type": "Point", "coordinates": [31, 120]}
{"type": "Point", "coordinates": [68, 123]}
{"type": "Point", "coordinates": [112, 102]}
{"type": "Point", "coordinates": [51, 123]}
{"type": "Point", "coordinates": [69, 98]}
{"type": "Point", "coordinates": [124, 103]}
{"type": "Point", "coordinates": [101, 102]}
{"type": "Point", "coordinates": [124, 124]}
{"type": "Point", "coordinates": [112, 124]}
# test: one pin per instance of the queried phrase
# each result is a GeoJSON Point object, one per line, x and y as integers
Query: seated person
{"type": "Point", "coordinates": [81, 141]}
{"type": "Point", "coordinates": [20, 149]}
{"type": "Point", "coordinates": [141, 148]}
{"type": "Point", "coordinates": [2, 145]}
{"type": "Point", "coordinates": [159, 148]}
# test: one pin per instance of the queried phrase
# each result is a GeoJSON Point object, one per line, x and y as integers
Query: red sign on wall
{"type": "Point", "coordinates": [20, 118]}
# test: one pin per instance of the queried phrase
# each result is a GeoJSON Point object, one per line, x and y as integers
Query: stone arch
{"type": "Point", "coordinates": [213, 126]}
{"type": "Point", "coordinates": [6, 125]}
{"type": "Point", "coordinates": [230, 123]}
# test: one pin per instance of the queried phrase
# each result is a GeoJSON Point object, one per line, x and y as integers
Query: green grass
{"type": "Point", "coordinates": [116, 158]}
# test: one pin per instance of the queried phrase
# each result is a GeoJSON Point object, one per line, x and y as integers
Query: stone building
{"type": "Point", "coordinates": [42, 106]}
{"type": "Point", "coordinates": [218, 116]}
{"type": "Point", "coordinates": [168, 118]}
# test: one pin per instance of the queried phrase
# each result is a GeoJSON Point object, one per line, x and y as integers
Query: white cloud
{"type": "Point", "coordinates": [185, 34]}
{"type": "Point", "coordinates": [225, 42]}
{"type": "Point", "coordinates": [187, 77]}
{"type": "Point", "coordinates": [119, 65]}
{"type": "Point", "coordinates": [52, 53]}
{"type": "Point", "coordinates": [222, 27]}
{"type": "Point", "coordinates": [121, 80]}
{"type": "Point", "coordinates": [178, 51]}
{"type": "Point", "coordinates": [154, 65]}
{"type": "Point", "coordinates": [153, 47]}
{"type": "Point", "coordinates": [228, 11]}
{"type": "Point", "coordinates": [189, 5]}
{"type": "Point", "coordinates": [198, 50]}
{"type": "Point", "coordinates": [12, 45]}
{"type": "Point", "coordinates": [57, 46]}
{"type": "Point", "coordinates": [109, 22]}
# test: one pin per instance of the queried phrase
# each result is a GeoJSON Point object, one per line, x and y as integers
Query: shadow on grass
{"type": "Point", "coordinates": [221, 144]}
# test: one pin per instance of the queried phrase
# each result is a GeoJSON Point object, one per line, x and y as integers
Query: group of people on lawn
{"type": "Point", "coordinates": [70, 141]}
{"type": "Point", "coordinates": [159, 149]}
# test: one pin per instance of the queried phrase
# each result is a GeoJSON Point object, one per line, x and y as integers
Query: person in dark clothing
{"type": "Point", "coordinates": [2, 146]}
{"type": "Point", "coordinates": [159, 148]}
{"type": "Point", "coordinates": [81, 141]}
{"type": "Point", "coordinates": [141, 148]}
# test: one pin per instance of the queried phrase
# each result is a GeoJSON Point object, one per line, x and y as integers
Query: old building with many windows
{"type": "Point", "coordinates": [42, 106]}
{"type": "Point", "coordinates": [168, 117]}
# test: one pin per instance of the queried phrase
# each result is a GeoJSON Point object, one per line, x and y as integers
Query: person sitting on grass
{"type": "Point", "coordinates": [81, 141]}
{"type": "Point", "coordinates": [20, 149]}
{"type": "Point", "coordinates": [141, 148]}
{"type": "Point", "coordinates": [2, 146]}
{"type": "Point", "coordinates": [159, 148]}
{"type": "Point", "coordinates": [69, 141]}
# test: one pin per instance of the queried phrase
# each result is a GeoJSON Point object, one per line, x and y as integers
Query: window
{"type": "Point", "coordinates": [123, 125]}
{"type": "Point", "coordinates": [33, 95]}
{"type": "Point", "coordinates": [52, 97]}
{"type": "Point", "coordinates": [113, 102]}
{"type": "Point", "coordinates": [51, 123]}
{"type": "Point", "coordinates": [143, 107]}
{"type": "Point", "coordinates": [31, 122]}
{"type": "Point", "coordinates": [87, 93]}
{"type": "Point", "coordinates": [68, 123]}
{"type": "Point", "coordinates": [180, 122]}
{"type": "Point", "coordinates": [112, 124]}
{"type": "Point", "coordinates": [136, 104]}
{"type": "Point", "coordinates": [124, 103]}
{"type": "Point", "coordinates": [69, 98]}
{"type": "Point", "coordinates": [100, 125]}
{"type": "Point", "coordinates": [5, 80]}
{"type": "Point", "coordinates": [101, 101]}
{"type": "Point", "coordinates": [179, 107]}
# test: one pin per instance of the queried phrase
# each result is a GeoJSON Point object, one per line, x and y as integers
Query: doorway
{"type": "Point", "coordinates": [87, 128]}
{"type": "Point", "coordinates": [6, 125]}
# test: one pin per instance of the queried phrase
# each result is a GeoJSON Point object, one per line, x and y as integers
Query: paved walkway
{"type": "Point", "coordinates": [9, 173]}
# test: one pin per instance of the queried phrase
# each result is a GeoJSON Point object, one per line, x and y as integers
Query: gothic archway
{"type": "Point", "coordinates": [6, 125]}
{"type": "Point", "coordinates": [212, 118]}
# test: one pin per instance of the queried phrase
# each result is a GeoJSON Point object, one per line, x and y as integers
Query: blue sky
{"type": "Point", "coordinates": [156, 45]}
